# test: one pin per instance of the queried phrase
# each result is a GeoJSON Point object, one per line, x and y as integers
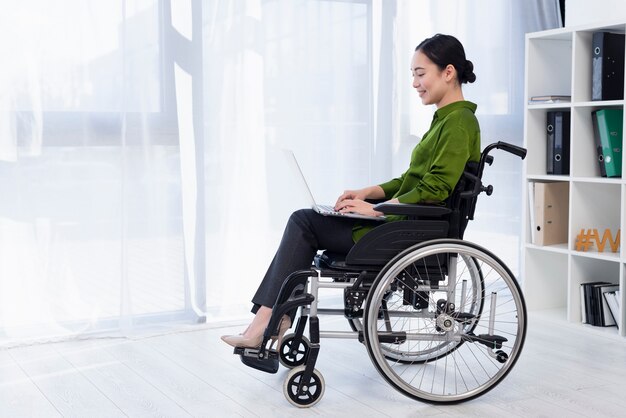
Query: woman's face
{"type": "Point", "coordinates": [431, 83]}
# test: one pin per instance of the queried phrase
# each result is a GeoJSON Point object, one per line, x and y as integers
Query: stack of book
{"type": "Point", "coordinates": [595, 307]}
{"type": "Point", "coordinates": [549, 99]}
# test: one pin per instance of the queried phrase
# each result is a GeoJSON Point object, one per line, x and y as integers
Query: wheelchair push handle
{"type": "Point", "coordinates": [485, 158]}
{"type": "Point", "coordinates": [513, 149]}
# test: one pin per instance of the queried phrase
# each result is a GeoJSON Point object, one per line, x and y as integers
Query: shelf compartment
{"type": "Point", "coordinates": [545, 279]}
{"type": "Point", "coordinates": [537, 141]}
{"type": "Point", "coordinates": [549, 65]}
{"type": "Point", "coordinates": [583, 62]}
{"type": "Point", "coordinates": [585, 270]}
{"type": "Point", "coordinates": [594, 206]}
{"type": "Point", "coordinates": [584, 155]}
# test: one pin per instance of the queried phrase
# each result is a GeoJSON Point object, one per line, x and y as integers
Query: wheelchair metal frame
{"type": "Point", "coordinates": [423, 331]}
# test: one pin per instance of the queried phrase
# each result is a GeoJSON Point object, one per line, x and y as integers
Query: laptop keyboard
{"type": "Point", "coordinates": [327, 208]}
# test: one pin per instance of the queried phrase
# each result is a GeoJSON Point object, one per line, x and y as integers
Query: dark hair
{"type": "Point", "coordinates": [446, 49]}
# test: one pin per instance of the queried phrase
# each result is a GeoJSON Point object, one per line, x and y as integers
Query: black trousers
{"type": "Point", "coordinates": [306, 233]}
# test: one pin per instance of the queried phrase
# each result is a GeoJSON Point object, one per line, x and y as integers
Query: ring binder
{"type": "Point", "coordinates": [551, 213]}
{"type": "Point", "coordinates": [607, 66]}
{"type": "Point", "coordinates": [558, 142]}
{"type": "Point", "coordinates": [607, 130]}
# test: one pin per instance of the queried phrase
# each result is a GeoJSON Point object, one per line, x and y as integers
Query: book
{"type": "Point", "coordinates": [612, 302]}
{"type": "Point", "coordinates": [549, 99]}
{"type": "Point", "coordinates": [604, 313]}
{"type": "Point", "coordinates": [607, 131]}
{"type": "Point", "coordinates": [583, 304]}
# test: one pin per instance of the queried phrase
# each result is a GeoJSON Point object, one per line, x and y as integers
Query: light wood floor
{"type": "Point", "coordinates": [563, 372]}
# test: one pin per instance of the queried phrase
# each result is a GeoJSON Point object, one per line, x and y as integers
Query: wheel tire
{"type": "Point", "coordinates": [291, 357]}
{"type": "Point", "coordinates": [313, 391]}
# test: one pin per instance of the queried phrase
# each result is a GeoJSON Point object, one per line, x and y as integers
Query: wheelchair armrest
{"type": "Point", "coordinates": [375, 201]}
{"type": "Point", "coordinates": [431, 211]}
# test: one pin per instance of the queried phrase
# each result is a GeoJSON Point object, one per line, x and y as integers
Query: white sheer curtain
{"type": "Point", "coordinates": [330, 79]}
{"type": "Point", "coordinates": [140, 162]}
{"type": "Point", "coordinates": [92, 236]}
{"type": "Point", "coordinates": [279, 74]}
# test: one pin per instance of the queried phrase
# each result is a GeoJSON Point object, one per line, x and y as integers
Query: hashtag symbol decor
{"type": "Point", "coordinates": [586, 240]}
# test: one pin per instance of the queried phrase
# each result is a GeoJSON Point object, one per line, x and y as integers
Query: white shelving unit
{"type": "Point", "coordinates": [558, 62]}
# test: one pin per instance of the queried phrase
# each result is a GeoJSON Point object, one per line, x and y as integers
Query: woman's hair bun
{"type": "Point", "coordinates": [468, 75]}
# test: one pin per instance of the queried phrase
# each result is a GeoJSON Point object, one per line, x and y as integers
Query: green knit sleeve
{"type": "Point", "coordinates": [391, 187]}
{"type": "Point", "coordinates": [450, 155]}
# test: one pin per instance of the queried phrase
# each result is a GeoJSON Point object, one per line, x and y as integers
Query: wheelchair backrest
{"type": "Point", "coordinates": [462, 208]}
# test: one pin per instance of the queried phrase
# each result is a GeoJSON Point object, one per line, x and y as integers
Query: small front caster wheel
{"type": "Point", "coordinates": [501, 356]}
{"type": "Point", "coordinates": [292, 355]}
{"type": "Point", "coordinates": [303, 394]}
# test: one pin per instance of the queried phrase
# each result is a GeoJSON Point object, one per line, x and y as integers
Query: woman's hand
{"type": "Point", "coordinates": [357, 206]}
{"type": "Point", "coordinates": [351, 195]}
{"type": "Point", "coordinates": [373, 192]}
{"type": "Point", "coordinates": [353, 201]}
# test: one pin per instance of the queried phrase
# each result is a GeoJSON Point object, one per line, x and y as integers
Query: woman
{"type": "Point", "coordinates": [439, 68]}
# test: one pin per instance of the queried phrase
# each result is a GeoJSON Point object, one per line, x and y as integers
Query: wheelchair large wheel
{"type": "Point", "coordinates": [444, 321]}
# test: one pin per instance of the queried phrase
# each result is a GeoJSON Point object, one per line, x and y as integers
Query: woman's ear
{"type": "Point", "coordinates": [449, 72]}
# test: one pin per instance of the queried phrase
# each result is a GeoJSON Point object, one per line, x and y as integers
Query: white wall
{"type": "Point", "coordinates": [583, 12]}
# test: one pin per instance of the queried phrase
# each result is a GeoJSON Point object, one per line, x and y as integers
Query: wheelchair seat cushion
{"type": "Point", "coordinates": [335, 261]}
{"type": "Point", "coordinates": [330, 260]}
{"type": "Point", "coordinates": [383, 243]}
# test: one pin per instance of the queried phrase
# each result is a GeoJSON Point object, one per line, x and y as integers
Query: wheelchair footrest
{"type": "Point", "coordinates": [491, 341]}
{"type": "Point", "coordinates": [250, 357]}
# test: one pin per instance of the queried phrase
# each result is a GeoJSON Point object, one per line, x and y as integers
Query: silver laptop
{"type": "Point", "coordinates": [326, 210]}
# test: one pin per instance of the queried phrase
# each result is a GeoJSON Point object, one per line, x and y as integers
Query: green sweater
{"type": "Point", "coordinates": [437, 161]}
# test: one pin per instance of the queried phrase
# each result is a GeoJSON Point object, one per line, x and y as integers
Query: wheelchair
{"type": "Point", "coordinates": [443, 320]}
